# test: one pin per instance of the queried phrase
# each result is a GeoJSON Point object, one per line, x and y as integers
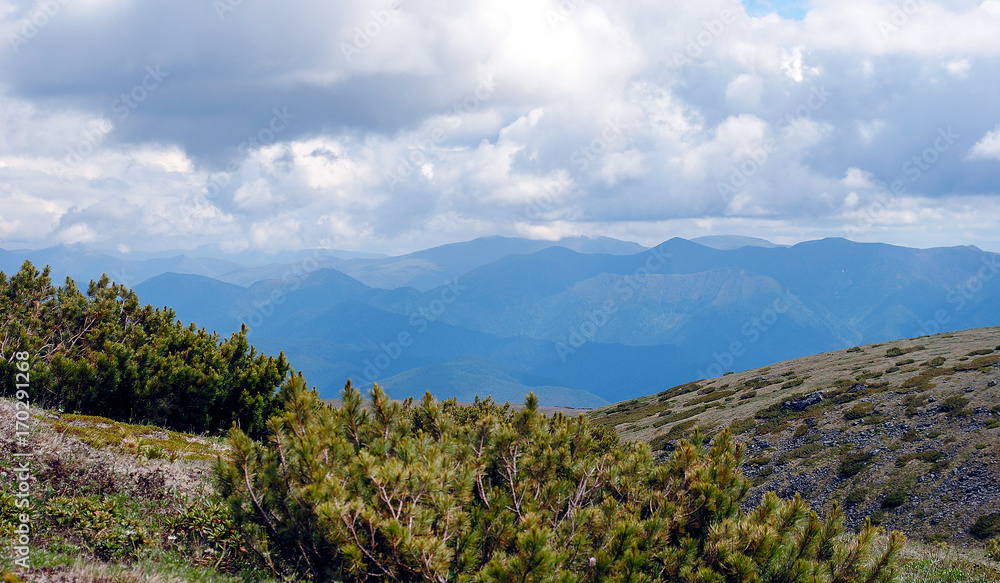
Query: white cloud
{"type": "Point", "coordinates": [745, 90]}
{"type": "Point", "coordinates": [958, 68]}
{"type": "Point", "coordinates": [869, 130]}
{"type": "Point", "coordinates": [457, 118]}
{"type": "Point", "coordinates": [988, 147]}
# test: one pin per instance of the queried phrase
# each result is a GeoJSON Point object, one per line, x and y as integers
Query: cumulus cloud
{"type": "Point", "coordinates": [391, 126]}
{"type": "Point", "coordinates": [988, 147]}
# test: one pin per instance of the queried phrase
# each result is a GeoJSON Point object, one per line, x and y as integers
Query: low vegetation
{"type": "Point", "coordinates": [103, 353]}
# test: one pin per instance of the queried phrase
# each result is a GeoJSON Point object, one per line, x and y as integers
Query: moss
{"type": "Point", "coordinates": [140, 440]}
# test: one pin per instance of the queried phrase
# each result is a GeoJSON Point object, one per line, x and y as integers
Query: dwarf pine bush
{"type": "Point", "coordinates": [425, 492]}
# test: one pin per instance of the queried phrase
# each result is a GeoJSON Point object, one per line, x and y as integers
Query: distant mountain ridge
{"type": "Point", "coordinates": [608, 325]}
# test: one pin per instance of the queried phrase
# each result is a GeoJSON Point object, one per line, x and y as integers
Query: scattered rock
{"type": "Point", "coordinates": [858, 387]}
{"type": "Point", "coordinates": [992, 383]}
{"type": "Point", "coordinates": [803, 403]}
{"type": "Point", "coordinates": [931, 399]}
{"type": "Point", "coordinates": [969, 389]}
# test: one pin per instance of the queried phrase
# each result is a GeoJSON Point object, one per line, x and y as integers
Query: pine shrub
{"type": "Point", "coordinates": [103, 353]}
{"type": "Point", "coordinates": [411, 492]}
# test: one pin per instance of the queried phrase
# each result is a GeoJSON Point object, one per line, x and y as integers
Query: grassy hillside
{"type": "Point", "coordinates": [907, 432]}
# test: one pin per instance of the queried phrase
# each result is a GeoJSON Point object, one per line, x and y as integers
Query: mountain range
{"type": "Point", "coordinates": [580, 322]}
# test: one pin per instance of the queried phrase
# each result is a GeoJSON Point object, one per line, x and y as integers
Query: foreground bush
{"type": "Point", "coordinates": [103, 353]}
{"type": "Point", "coordinates": [410, 492]}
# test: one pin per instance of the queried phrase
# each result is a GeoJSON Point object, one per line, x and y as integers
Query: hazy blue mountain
{"type": "Point", "coordinates": [574, 325]}
{"type": "Point", "coordinates": [429, 268]}
{"type": "Point", "coordinates": [83, 264]}
{"type": "Point", "coordinates": [730, 242]}
{"type": "Point", "coordinates": [470, 376]}
{"type": "Point", "coordinates": [205, 301]}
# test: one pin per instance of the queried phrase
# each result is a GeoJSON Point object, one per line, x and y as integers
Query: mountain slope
{"type": "Point", "coordinates": [907, 431]}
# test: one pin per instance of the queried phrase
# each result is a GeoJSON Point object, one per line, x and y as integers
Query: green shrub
{"type": "Point", "coordinates": [801, 430]}
{"type": "Point", "coordinates": [992, 423]}
{"type": "Point", "coordinates": [854, 349]}
{"type": "Point", "coordinates": [894, 499]}
{"type": "Point", "coordinates": [858, 411]}
{"type": "Point", "coordinates": [740, 426]}
{"type": "Point", "coordinates": [101, 352]}
{"type": "Point", "coordinates": [856, 496]}
{"type": "Point", "coordinates": [210, 525]}
{"type": "Point", "coordinates": [102, 523]}
{"type": "Point", "coordinates": [713, 396]}
{"type": "Point", "coordinates": [802, 452]}
{"type": "Point", "coordinates": [936, 361]}
{"type": "Point", "coordinates": [954, 404]}
{"type": "Point", "coordinates": [406, 492]}
{"type": "Point", "coordinates": [986, 526]}
{"type": "Point", "coordinates": [899, 351]}
{"type": "Point", "coordinates": [905, 362]}
{"type": "Point", "coordinates": [993, 548]}
{"type": "Point", "coordinates": [854, 463]}
{"type": "Point", "coordinates": [977, 363]}
{"type": "Point", "coordinates": [930, 455]}
{"type": "Point", "coordinates": [980, 352]}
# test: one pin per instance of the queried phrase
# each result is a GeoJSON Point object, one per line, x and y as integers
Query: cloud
{"type": "Point", "coordinates": [988, 147]}
{"type": "Point", "coordinates": [392, 126]}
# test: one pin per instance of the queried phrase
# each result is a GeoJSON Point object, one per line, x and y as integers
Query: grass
{"type": "Point", "coordinates": [942, 563]}
{"type": "Point", "coordinates": [108, 497]}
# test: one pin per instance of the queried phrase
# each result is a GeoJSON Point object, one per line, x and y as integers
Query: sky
{"type": "Point", "coordinates": [396, 125]}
